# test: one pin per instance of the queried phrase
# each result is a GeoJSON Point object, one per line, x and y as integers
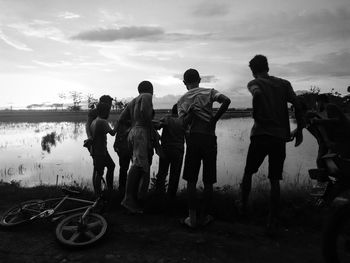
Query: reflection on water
{"type": "Point", "coordinates": [49, 140]}
{"type": "Point", "coordinates": [50, 153]}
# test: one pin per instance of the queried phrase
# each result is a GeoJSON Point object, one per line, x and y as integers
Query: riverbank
{"type": "Point", "coordinates": [157, 235]}
{"type": "Point", "coordinates": [34, 116]}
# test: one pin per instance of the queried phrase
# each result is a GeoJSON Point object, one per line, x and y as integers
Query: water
{"type": "Point", "coordinates": [59, 158]}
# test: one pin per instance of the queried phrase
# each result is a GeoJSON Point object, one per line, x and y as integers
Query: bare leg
{"type": "Point", "coordinates": [131, 183]}
{"type": "Point", "coordinates": [192, 202]}
{"type": "Point", "coordinates": [96, 181]}
{"type": "Point", "coordinates": [143, 185]}
{"type": "Point", "coordinates": [246, 186]}
{"type": "Point", "coordinates": [274, 200]}
{"type": "Point", "coordinates": [207, 200]}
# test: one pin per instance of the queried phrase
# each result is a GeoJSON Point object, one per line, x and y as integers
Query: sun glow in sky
{"type": "Point", "coordinates": [108, 47]}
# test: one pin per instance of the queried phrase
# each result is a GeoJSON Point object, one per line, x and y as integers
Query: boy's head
{"type": "Point", "coordinates": [174, 110]}
{"type": "Point", "coordinates": [191, 77]}
{"type": "Point", "coordinates": [259, 65]}
{"type": "Point", "coordinates": [145, 87]}
{"type": "Point", "coordinates": [106, 99]}
{"type": "Point", "coordinates": [103, 110]}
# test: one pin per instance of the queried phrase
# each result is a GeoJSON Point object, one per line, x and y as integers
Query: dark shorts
{"type": "Point", "coordinates": [200, 147]}
{"type": "Point", "coordinates": [262, 146]}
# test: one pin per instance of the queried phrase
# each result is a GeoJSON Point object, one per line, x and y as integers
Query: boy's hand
{"type": "Point", "coordinates": [87, 143]}
{"type": "Point", "coordinates": [298, 136]}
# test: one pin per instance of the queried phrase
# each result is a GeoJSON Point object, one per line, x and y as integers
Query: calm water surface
{"type": "Point", "coordinates": [50, 153]}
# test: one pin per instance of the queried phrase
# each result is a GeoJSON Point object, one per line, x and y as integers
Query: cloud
{"type": "Point", "coordinates": [332, 65]}
{"type": "Point", "coordinates": [68, 64]}
{"type": "Point", "coordinates": [40, 29]}
{"type": "Point", "coordinates": [144, 33]}
{"type": "Point", "coordinates": [165, 102]}
{"type": "Point", "coordinates": [209, 79]}
{"type": "Point", "coordinates": [204, 78]}
{"type": "Point", "coordinates": [210, 9]}
{"type": "Point", "coordinates": [287, 29]}
{"type": "Point", "coordinates": [123, 33]}
{"type": "Point", "coordinates": [13, 43]}
{"type": "Point", "coordinates": [68, 15]}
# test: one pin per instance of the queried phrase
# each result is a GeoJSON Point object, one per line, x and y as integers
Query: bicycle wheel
{"type": "Point", "coordinates": [72, 232]}
{"type": "Point", "coordinates": [22, 213]}
{"type": "Point", "coordinates": [336, 239]}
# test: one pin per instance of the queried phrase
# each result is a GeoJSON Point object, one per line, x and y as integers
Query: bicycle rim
{"type": "Point", "coordinates": [73, 233]}
{"type": "Point", "coordinates": [22, 213]}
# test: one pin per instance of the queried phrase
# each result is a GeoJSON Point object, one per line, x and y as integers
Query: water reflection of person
{"type": "Point", "coordinates": [270, 132]}
{"type": "Point", "coordinates": [101, 158]}
{"type": "Point", "coordinates": [139, 112]}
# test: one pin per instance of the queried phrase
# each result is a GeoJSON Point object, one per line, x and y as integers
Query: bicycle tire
{"type": "Point", "coordinates": [336, 236]}
{"type": "Point", "coordinates": [21, 213]}
{"type": "Point", "coordinates": [71, 233]}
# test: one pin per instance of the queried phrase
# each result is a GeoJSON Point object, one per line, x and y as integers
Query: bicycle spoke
{"type": "Point", "coordinates": [93, 225]}
{"type": "Point", "coordinates": [12, 220]}
{"type": "Point", "coordinates": [70, 228]}
{"type": "Point", "coordinates": [89, 234]}
{"type": "Point", "coordinates": [74, 237]}
{"type": "Point", "coordinates": [14, 212]}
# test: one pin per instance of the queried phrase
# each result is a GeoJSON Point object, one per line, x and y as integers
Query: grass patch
{"type": "Point", "coordinates": [297, 209]}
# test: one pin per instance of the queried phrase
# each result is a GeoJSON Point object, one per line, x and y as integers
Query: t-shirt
{"type": "Point", "coordinates": [99, 129]}
{"type": "Point", "coordinates": [173, 134]}
{"type": "Point", "coordinates": [270, 108]}
{"type": "Point", "coordinates": [200, 100]}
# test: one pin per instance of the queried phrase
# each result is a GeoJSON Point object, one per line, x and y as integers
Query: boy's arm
{"type": "Point", "coordinates": [124, 116]}
{"type": "Point", "coordinates": [108, 128]}
{"type": "Point", "coordinates": [225, 102]}
{"type": "Point", "coordinates": [87, 127]}
{"type": "Point", "coordinates": [298, 133]}
{"type": "Point", "coordinates": [259, 105]}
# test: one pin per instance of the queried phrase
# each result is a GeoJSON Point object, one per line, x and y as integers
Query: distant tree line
{"type": "Point", "coordinates": [77, 99]}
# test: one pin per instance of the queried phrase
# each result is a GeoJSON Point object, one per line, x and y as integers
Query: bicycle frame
{"type": "Point", "coordinates": [52, 212]}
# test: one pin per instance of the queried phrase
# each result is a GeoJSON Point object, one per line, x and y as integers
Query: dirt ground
{"type": "Point", "coordinates": [161, 238]}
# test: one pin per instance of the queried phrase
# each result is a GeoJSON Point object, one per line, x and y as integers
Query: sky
{"type": "Point", "coordinates": [48, 47]}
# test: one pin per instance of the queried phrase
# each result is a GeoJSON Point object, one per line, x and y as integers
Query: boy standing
{"type": "Point", "coordinates": [201, 141]}
{"type": "Point", "coordinates": [101, 158]}
{"type": "Point", "coordinates": [270, 132]}
{"type": "Point", "coordinates": [139, 112]}
{"type": "Point", "coordinates": [122, 149]}
{"type": "Point", "coordinates": [172, 143]}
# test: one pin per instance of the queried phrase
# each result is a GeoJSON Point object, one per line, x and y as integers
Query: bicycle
{"type": "Point", "coordinates": [77, 227]}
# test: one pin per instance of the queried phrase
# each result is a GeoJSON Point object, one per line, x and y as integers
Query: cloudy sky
{"type": "Point", "coordinates": [101, 47]}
